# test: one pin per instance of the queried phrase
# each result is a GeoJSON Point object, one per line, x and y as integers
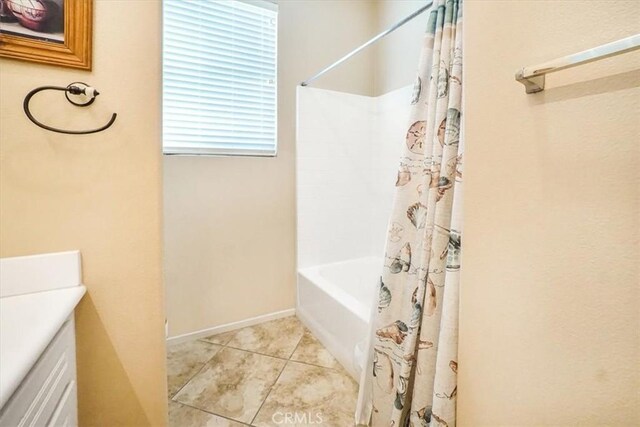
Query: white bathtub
{"type": "Point", "coordinates": [335, 301]}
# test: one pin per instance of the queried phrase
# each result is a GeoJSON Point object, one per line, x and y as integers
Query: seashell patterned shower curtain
{"type": "Point", "coordinates": [411, 375]}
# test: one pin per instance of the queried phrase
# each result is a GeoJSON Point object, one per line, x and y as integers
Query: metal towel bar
{"type": "Point", "coordinates": [533, 77]}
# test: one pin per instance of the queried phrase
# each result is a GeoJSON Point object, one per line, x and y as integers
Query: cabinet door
{"type": "Point", "coordinates": [66, 414]}
{"type": "Point", "coordinates": [39, 395]}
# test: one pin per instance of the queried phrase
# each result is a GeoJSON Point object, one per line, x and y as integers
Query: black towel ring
{"type": "Point", "coordinates": [75, 88]}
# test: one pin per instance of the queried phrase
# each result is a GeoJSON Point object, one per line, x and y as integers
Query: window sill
{"type": "Point", "coordinates": [220, 154]}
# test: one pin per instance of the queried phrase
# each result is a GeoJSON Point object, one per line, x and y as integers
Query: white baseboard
{"type": "Point", "coordinates": [230, 326]}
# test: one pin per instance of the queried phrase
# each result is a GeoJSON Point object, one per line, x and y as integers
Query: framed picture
{"type": "Point", "coordinates": [54, 32]}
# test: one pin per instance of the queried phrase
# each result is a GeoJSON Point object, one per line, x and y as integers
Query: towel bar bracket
{"type": "Point", "coordinates": [531, 84]}
{"type": "Point", "coordinates": [80, 88]}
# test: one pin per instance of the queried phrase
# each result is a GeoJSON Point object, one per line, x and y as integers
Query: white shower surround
{"type": "Point", "coordinates": [346, 156]}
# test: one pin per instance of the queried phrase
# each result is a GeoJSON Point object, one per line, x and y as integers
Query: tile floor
{"type": "Point", "coordinates": [256, 376]}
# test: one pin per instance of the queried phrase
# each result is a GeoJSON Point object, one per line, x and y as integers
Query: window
{"type": "Point", "coordinates": [219, 77]}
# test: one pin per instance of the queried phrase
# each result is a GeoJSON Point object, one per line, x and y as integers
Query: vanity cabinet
{"type": "Point", "coordinates": [38, 297]}
{"type": "Point", "coordinates": [48, 394]}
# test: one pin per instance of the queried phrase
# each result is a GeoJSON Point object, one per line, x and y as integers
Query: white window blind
{"type": "Point", "coordinates": [219, 77]}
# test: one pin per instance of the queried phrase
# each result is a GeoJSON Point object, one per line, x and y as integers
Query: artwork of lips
{"type": "Point", "coordinates": [33, 14]}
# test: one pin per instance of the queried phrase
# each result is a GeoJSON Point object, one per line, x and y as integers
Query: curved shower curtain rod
{"type": "Point", "coordinates": [370, 42]}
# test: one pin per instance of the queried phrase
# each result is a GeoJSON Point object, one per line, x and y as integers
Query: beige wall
{"type": "Point", "coordinates": [230, 221]}
{"type": "Point", "coordinates": [550, 287]}
{"type": "Point", "coordinates": [100, 194]}
{"type": "Point", "coordinates": [396, 55]}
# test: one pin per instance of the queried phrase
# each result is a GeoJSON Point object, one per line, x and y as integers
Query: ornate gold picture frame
{"type": "Point", "coordinates": [57, 32]}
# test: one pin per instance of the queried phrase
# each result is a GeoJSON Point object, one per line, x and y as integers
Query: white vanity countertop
{"type": "Point", "coordinates": [28, 323]}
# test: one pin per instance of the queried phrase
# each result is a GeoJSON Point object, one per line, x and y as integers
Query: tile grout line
{"type": "Point", "coordinates": [276, 381]}
{"type": "Point", "coordinates": [260, 354]}
{"type": "Point", "coordinates": [222, 347]}
{"type": "Point", "coordinates": [267, 396]}
{"type": "Point", "coordinates": [212, 413]}
{"type": "Point", "coordinates": [194, 375]}
{"type": "Point", "coordinates": [313, 365]}
{"type": "Point", "coordinates": [255, 352]}
{"type": "Point", "coordinates": [199, 370]}
{"type": "Point", "coordinates": [278, 357]}
{"type": "Point", "coordinates": [309, 363]}
{"type": "Point", "coordinates": [271, 355]}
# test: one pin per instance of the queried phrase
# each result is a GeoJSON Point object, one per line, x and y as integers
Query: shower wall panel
{"type": "Point", "coordinates": [346, 158]}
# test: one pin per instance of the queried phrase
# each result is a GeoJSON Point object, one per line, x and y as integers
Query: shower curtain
{"type": "Point", "coordinates": [411, 375]}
